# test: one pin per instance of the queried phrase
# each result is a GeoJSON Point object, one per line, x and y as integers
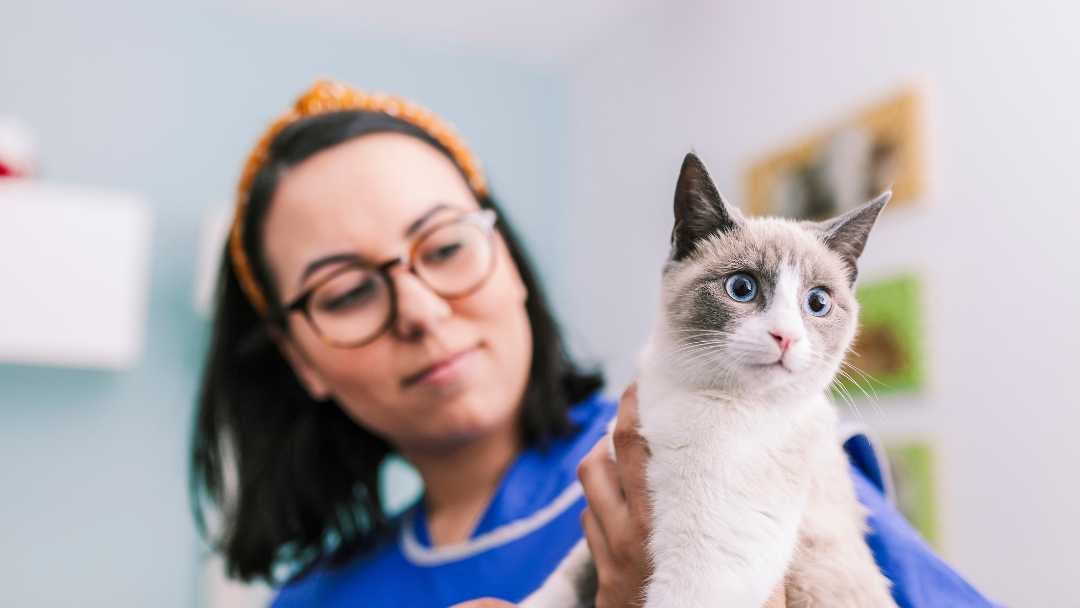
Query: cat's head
{"type": "Point", "coordinates": [758, 307]}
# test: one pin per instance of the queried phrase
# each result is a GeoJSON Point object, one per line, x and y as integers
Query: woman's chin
{"type": "Point", "coordinates": [468, 418]}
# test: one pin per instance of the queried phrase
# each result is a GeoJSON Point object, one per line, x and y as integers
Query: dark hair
{"type": "Point", "coordinates": [296, 482]}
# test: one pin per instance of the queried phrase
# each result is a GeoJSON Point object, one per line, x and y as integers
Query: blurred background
{"type": "Point", "coordinates": [131, 120]}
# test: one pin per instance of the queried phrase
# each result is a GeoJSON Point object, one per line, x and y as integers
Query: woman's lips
{"type": "Point", "coordinates": [442, 370]}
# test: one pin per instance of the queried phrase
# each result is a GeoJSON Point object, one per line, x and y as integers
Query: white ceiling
{"type": "Point", "coordinates": [545, 32]}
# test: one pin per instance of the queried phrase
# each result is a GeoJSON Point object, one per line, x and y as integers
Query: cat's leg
{"type": "Point", "coordinates": [833, 566]}
{"type": "Point", "coordinates": [571, 585]}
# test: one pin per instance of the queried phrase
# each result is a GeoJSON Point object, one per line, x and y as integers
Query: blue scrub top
{"type": "Point", "coordinates": [534, 519]}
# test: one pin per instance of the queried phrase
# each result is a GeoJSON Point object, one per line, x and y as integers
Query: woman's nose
{"type": "Point", "coordinates": [419, 308]}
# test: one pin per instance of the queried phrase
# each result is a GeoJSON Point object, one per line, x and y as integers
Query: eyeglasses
{"type": "Point", "coordinates": [357, 303]}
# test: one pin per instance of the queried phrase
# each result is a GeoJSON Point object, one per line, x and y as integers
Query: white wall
{"type": "Point", "coordinates": [995, 244]}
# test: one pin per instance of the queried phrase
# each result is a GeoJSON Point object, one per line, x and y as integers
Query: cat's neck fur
{"type": "Point", "coordinates": [682, 412]}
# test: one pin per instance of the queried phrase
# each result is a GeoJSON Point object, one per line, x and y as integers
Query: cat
{"type": "Point", "coordinates": [748, 484]}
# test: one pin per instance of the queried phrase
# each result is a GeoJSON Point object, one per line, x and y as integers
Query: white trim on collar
{"type": "Point", "coordinates": [420, 555]}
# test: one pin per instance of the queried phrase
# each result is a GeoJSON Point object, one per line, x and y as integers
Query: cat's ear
{"type": "Point", "coordinates": [847, 234]}
{"type": "Point", "coordinates": [699, 208]}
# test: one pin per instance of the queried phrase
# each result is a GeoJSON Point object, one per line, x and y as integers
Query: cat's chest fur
{"type": "Point", "coordinates": [728, 478]}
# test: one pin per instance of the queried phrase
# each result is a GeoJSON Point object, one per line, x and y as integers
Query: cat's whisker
{"type": "Point", "coordinates": [696, 348]}
{"type": "Point", "coordinates": [845, 394]}
{"type": "Point", "coordinates": [871, 398]}
{"type": "Point", "coordinates": [699, 329]}
{"type": "Point", "coordinates": [740, 346]}
{"type": "Point", "coordinates": [692, 351]}
{"type": "Point", "coordinates": [851, 379]}
{"type": "Point", "coordinates": [869, 380]}
{"type": "Point", "coordinates": [840, 387]}
{"type": "Point", "coordinates": [875, 401]}
{"type": "Point", "coordinates": [869, 377]}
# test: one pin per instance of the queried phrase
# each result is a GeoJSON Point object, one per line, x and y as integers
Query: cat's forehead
{"type": "Point", "coordinates": [765, 245]}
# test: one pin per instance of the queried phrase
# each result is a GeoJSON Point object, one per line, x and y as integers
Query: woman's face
{"type": "Point", "coordinates": [447, 370]}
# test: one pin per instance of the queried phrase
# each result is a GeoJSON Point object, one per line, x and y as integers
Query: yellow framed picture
{"type": "Point", "coordinates": [843, 165]}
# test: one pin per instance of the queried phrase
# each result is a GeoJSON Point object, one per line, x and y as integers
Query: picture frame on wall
{"type": "Point", "coordinates": [888, 356]}
{"type": "Point", "coordinates": [913, 466]}
{"type": "Point", "coordinates": [845, 164]}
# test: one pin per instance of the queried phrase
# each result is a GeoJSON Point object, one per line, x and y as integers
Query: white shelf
{"type": "Point", "coordinates": [74, 275]}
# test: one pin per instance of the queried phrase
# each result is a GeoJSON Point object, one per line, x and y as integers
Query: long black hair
{"type": "Point", "coordinates": [292, 482]}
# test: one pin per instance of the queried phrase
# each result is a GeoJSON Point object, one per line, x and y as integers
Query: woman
{"type": "Point", "coordinates": [374, 302]}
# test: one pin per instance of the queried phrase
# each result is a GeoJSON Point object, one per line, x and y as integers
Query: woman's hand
{"type": "Point", "coordinates": [617, 521]}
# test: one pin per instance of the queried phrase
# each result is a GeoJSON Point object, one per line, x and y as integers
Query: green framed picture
{"type": "Point", "coordinates": [887, 356]}
{"type": "Point", "coordinates": [913, 466]}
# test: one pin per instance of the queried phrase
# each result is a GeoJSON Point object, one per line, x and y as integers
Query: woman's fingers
{"type": "Point", "coordinates": [598, 544]}
{"type": "Point", "coordinates": [600, 479]}
{"type": "Point", "coordinates": [616, 520]}
{"type": "Point", "coordinates": [631, 454]}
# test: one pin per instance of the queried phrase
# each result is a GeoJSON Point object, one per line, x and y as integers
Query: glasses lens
{"type": "Point", "coordinates": [455, 258]}
{"type": "Point", "coordinates": [352, 306]}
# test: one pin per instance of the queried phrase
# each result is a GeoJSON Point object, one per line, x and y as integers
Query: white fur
{"type": "Point", "coordinates": [749, 485]}
{"type": "Point", "coordinates": [784, 316]}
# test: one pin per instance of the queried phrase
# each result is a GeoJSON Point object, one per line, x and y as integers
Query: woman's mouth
{"type": "Point", "coordinates": [444, 370]}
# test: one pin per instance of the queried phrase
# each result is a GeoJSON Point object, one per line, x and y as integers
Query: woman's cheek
{"type": "Point", "coordinates": [360, 379]}
{"type": "Point", "coordinates": [369, 393]}
{"type": "Point", "coordinates": [510, 339]}
{"type": "Point", "coordinates": [503, 293]}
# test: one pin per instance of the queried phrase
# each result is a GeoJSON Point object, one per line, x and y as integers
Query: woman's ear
{"type": "Point", "coordinates": [307, 374]}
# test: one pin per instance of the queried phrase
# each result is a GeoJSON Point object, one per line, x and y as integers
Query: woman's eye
{"type": "Point", "coordinates": [741, 287]}
{"type": "Point", "coordinates": [443, 252]}
{"type": "Point", "coordinates": [818, 302]}
{"type": "Point", "coordinates": [356, 296]}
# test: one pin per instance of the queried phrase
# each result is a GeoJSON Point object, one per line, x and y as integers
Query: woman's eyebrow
{"type": "Point", "coordinates": [334, 258]}
{"type": "Point", "coordinates": [423, 219]}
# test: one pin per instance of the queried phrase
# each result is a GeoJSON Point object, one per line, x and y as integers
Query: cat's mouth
{"type": "Point", "coordinates": [776, 365]}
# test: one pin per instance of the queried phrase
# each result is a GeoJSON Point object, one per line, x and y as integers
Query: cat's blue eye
{"type": "Point", "coordinates": [741, 287]}
{"type": "Point", "coordinates": [818, 302]}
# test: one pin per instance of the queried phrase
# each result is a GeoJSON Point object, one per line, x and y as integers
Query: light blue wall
{"type": "Point", "coordinates": [164, 99]}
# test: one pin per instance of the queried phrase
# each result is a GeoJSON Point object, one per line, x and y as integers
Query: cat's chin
{"type": "Point", "coordinates": [778, 380]}
{"type": "Point", "coordinates": [754, 381]}
{"type": "Point", "coordinates": [780, 371]}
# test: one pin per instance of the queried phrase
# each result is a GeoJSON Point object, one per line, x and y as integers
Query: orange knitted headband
{"type": "Point", "coordinates": [324, 97]}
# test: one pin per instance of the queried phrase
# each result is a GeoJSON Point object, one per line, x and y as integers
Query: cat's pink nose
{"type": "Point", "coordinates": [784, 339]}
